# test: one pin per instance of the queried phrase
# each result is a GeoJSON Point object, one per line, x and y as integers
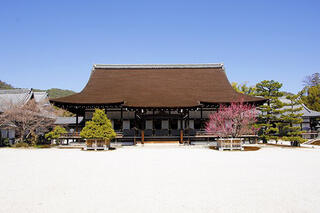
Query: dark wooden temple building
{"type": "Point", "coordinates": [155, 101]}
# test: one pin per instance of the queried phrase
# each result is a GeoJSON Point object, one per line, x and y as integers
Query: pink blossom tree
{"type": "Point", "coordinates": [233, 121]}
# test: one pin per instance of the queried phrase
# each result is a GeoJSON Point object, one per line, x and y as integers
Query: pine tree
{"type": "Point", "coordinates": [243, 88]}
{"type": "Point", "coordinates": [291, 120]}
{"type": "Point", "coordinates": [311, 97]}
{"type": "Point", "coordinates": [99, 127]}
{"type": "Point", "coordinates": [271, 110]}
{"type": "Point", "coordinates": [56, 133]}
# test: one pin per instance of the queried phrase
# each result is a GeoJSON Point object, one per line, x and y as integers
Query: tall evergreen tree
{"type": "Point", "coordinates": [311, 97]}
{"type": "Point", "coordinates": [291, 120]}
{"type": "Point", "coordinates": [243, 88]}
{"type": "Point", "coordinates": [270, 112]}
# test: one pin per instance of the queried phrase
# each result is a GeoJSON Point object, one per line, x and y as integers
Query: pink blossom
{"type": "Point", "coordinates": [234, 120]}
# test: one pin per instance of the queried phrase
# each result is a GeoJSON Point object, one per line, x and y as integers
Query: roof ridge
{"type": "Point", "coordinates": [156, 66]}
{"type": "Point", "coordinates": [14, 91]}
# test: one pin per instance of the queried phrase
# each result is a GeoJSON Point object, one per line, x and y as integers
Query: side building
{"type": "Point", "coordinates": [17, 97]}
{"type": "Point", "coordinates": [311, 120]}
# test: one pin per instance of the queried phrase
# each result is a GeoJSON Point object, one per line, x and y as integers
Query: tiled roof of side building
{"type": "Point", "coordinates": [305, 110]}
{"type": "Point", "coordinates": [14, 97]}
{"type": "Point", "coordinates": [20, 97]}
{"type": "Point", "coordinates": [67, 120]}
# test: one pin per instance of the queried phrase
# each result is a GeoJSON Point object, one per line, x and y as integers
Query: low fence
{"type": "Point", "coordinates": [229, 144]}
{"type": "Point", "coordinates": [97, 144]}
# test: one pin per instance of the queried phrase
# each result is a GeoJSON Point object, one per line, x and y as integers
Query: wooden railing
{"type": "Point", "coordinates": [71, 135]}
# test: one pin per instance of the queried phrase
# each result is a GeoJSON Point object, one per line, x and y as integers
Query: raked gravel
{"type": "Point", "coordinates": [160, 178]}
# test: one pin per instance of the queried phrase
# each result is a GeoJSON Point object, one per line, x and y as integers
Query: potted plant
{"type": "Point", "coordinates": [231, 122]}
{"type": "Point", "coordinates": [98, 132]}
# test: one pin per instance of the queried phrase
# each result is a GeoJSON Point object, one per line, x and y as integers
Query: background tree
{"type": "Point", "coordinates": [243, 88]}
{"type": "Point", "coordinates": [62, 112]}
{"type": "Point", "coordinates": [99, 127]}
{"type": "Point", "coordinates": [312, 80]}
{"type": "Point", "coordinates": [291, 120]}
{"type": "Point", "coordinates": [271, 110]}
{"type": "Point", "coordinates": [233, 121]}
{"type": "Point", "coordinates": [56, 133]}
{"type": "Point", "coordinates": [310, 96]}
{"type": "Point", "coordinates": [29, 119]}
{"type": "Point", "coordinates": [4, 85]}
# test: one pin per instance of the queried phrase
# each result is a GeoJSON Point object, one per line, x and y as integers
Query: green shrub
{"type": "Point", "coordinates": [56, 133]}
{"type": "Point", "coordinates": [4, 142]}
{"type": "Point", "coordinates": [99, 128]}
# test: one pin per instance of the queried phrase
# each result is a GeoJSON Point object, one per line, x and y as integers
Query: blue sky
{"type": "Point", "coordinates": [45, 44]}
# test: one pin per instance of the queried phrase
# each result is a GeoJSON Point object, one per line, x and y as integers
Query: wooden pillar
{"type": "Point", "coordinates": [77, 122]}
{"type": "Point", "coordinates": [188, 121]}
{"type": "Point", "coordinates": [181, 136]}
{"type": "Point", "coordinates": [142, 136]}
{"type": "Point", "coordinates": [188, 118]}
{"type": "Point", "coordinates": [169, 124]}
{"type": "Point", "coordinates": [181, 119]}
{"type": "Point", "coordinates": [121, 118]}
{"type": "Point", "coordinates": [135, 119]}
{"type": "Point", "coordinates": [201, 117]}
{"type": "Point", "coordinates": [153, 121]}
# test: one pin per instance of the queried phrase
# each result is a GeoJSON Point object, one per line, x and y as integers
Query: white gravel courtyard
{"type": "Point", "coordinates": [160, 178]}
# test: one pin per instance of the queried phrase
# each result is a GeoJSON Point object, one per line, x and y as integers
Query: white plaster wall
{"type": "Point", "coordinates": [12, 133]}
{"type": "Point", "coordinates": [128, 115]}
{"type": "Point", "coordinates": [206, 114]}
{"type": "Point", "coordinates": [5, 133]}
{"type": "Point", "coordinates": [179, 124]}
{"type": "Point", "coordinates": [148, 124]}
{"type": "Point", "coordinates": [305, 125]}
{"type": "Point", "coordinates": [126, 124]}
{"type": "Point", "coordinates": [113, 115]}
{"type": "Point", "coordinates": [195, 114]}
{"type": "Point", "coordinates": [191, 124]}
{"type": "Point", "coordinates": [88, 115]}
{"type": "Point", "coordinates": [164, 124]}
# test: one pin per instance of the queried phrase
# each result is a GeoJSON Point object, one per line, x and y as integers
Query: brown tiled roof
{"type": "Point", "coordinates": [157, 86]}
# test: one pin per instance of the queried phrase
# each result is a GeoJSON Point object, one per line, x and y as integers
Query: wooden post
{"type": "Point", "coordinates": [188, 118]}
{"type": "Point", "coordinates": [121, 118]}
{"type": "Point", "coordinates": [181, 136]}
{"type": "Point", "coordinates": [142, 136]}
{"type": "Point", "coordinates": [201, 117]}
{"type": "Point", "coordinates": [169, 123]}
{"type": "Point", "coordinates": [153, 131]}
{"type": "Point", "coordinates": [181, 120]}
{"type": "Point", "coordinates": [77, 122]}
